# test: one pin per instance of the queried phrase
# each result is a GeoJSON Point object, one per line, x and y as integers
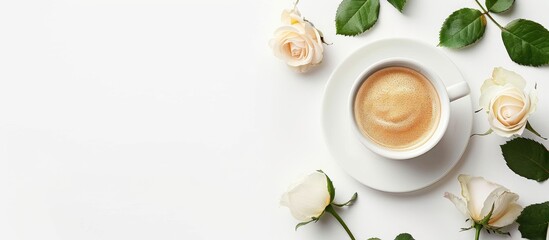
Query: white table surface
{"type": "Point", "coordinates": [172, 119]}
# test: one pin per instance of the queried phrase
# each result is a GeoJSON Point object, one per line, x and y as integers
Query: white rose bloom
{"type": "Point", "coordinates": [506, 103]}
{"type": "Point", "coordinates": [308, 198]}
{"type": "Point", "coordinates": [297, 42]}
{"type": "Point", "coordinates": [479, 197]}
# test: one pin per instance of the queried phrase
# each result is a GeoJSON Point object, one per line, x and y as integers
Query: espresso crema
{"type": "Point", "coordinates": [397, 107]}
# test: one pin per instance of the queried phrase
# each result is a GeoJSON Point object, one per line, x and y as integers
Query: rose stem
{"type": "Point", "coordinates": [332, 211]}
{"type": "Point", "coordinates": [478, 227]}
{"type": "Point", "coordinates": [488, 14]}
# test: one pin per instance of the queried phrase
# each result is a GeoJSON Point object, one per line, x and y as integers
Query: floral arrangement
{"type": "Point", "coordinates": [299, 43]}
{"type": "Point", "coordinates": [486, 205]}
{"type": "Point", "coordinates": [504, 99]}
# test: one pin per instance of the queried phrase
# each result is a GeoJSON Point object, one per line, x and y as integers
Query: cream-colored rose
{"type": "Point", "coordinates": [480, 196]}
{"type": "Point", "coordinates": [504, 99]}
{"type": "Point", "coordinates": [308, 198]}
{"type": "Point", "coordinates": [297, 42]}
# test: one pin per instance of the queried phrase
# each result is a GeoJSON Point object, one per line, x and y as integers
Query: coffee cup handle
{"type": "Point", "coordinates": [457, 91]}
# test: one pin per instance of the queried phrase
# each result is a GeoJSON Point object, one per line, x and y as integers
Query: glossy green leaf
{"type": "Point", "coordinates": [533, 221]}
{"type": "Point", "coordinates": [498, 6]}
{"type": "Point", "coordinates": [462, 28]}
{"type": "Point", "coordinates": [356, 16]}
{"type": "Point", "coordinates": [398, 4]}
{"type": "Point", "coordinates": [527, 158]}
{"type": "Point", "coordinates": [404, 236]}
{"type": "Point", "coordinates": [527, 42]}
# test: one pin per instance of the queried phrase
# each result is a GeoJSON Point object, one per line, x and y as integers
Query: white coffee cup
{"type": "Point", "coordinates": [445, 94]}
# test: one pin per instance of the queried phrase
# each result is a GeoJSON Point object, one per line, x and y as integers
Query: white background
{"type": "Point", "coordinates": [166, 119]}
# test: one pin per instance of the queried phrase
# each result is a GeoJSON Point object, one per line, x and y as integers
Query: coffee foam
{"type": "Point", "coordinates": [397, 107]}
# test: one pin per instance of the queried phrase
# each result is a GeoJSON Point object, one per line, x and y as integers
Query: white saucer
{"type": "Point", "coordinates": [369, 168]}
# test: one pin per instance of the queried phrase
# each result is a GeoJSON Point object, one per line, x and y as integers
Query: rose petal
{"type": "Point", "coordinates": [498, 127]}
{"type": "Point", "coordinates": [503, 76]}
{"type": "Point", "coordinates": [500, 198]}
{"type": "Point", "coordinates": [291, 16]}
{"type": "Point", "coordinates": [305, 59]}
{"type": "Point", "coordinates": [285, 200]}
{"type": "Point", "coordinates": [533, 101]}
{"type": "Point", "coordinates": [487, 84]}
{"type": "Point", "coordinates": [490, 201]}
{"type": "Point", "coordinates": [512, 213]}
{"type": "Point", "coordinates": [315, 44]}
{"type": "Point", "coordinates": [285, 17]}
{"type": "Point", "coordinates": [308, 198]}
{"type": "Point", "coordinates": [518, 117]}
{"type": "Point", "coordinates": [311, 31]}
{"type": "Point", "coordinates": [499, 119]}
{"type": "Point", "coordinates": [502, 205]}
{"type": "Point", "coordinates": [296, 213]}
{"type": "Point", "coordinates": [488, 95]}
{"type": "Point", "coordinates": [317, 53]}
{"type": "Point", "coordinates": [503, 133]}
{"type": "Point", "coordinates": [303, 68]}
{"type": "Point", "coordinates": [283, 35]}
{"type": "Point", "coordinates": [477, 189]}
{"type": "Point", "coordinates": [460, 204]}
{"type": "Point", "coordinates": [510, 115]}
{"type": "Point", "coordinates": [464, 181]}
{"type": "Point", "coordinates": [510, 98]}
{"type": "Point", "coordinates": [301, 44]}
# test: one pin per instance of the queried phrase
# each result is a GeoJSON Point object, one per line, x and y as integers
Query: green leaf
{"type": "Point", "coordinates": [374, 239]}
{"type": "Point", "coordinates": [398, 4]}
{"type": "Point", "coordinates": [356, 16]}
{"type": "Point", "coordinates": [527, 158]}
{"type": "Point", "coordinates": [498, 6]}
{"type": "Point", "coordinates": [532, 130]}
{"type": "Point", "coordinates": [348, 203]}
{"type": "Point", "coordinates": [463, 27]}
{"type": "Point", "coordinates": [404, 236]}
{"type": "Point", "coordinates": [527, 42]}
{"type": "Point", "coordinates": [533, 221]}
